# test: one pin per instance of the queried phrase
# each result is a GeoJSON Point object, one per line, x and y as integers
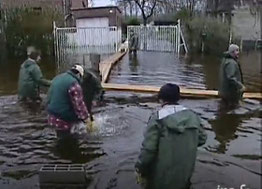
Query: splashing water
{"type": "Point", "coordinates": [104, 124]}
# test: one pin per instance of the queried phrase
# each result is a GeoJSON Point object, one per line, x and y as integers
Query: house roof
{"type": "Point", "coordinates": [97, 8]}
{"type": "Point", "coordinates": [95, 12]}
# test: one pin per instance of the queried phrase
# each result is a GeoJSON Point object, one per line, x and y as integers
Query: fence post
{"type": "Point", "coordinates": [55, 42]}
{"type": "Point", "coordinates": [179, 36]}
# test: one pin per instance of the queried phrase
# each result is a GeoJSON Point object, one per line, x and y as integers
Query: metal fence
{"type": "Point", "coordinates": [159, 38]}
{"type": "Point", "coordinates": [72, 44]}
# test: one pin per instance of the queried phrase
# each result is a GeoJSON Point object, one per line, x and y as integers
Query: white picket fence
{"type": "Point", "coordinates": [159, 38]}
{"type": "Point", "coordinates": [71, 44]}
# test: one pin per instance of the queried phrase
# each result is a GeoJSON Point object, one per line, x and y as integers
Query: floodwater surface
{"type": "Point", "coordinates": [230, 158]}
{"type": "Point", "coordinates": [156, 68]}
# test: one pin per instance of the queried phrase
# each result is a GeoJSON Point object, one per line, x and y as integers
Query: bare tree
{"type": "Point", "coordinates": [123, 5]}
{"type": "Point", "coordinates": [130, 2]}
{"type": "Point", "coordinates": [147, 8]}
{"type": "Point", "coordinates": [129, 7]}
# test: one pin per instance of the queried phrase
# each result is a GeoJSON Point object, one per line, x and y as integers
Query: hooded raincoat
{"type": "Point", "coordinates": [30, 79]}
{"type": "Point", "coordinates": [92, 89]}
{"type": "Point", "coordinates": [91, 86]}
{"type": "Point", "coordinates": [230, 79]}
{"type": "Point", "coordinates": [133, 42]}
{"type": "Point", "coordinates": [168, 153]}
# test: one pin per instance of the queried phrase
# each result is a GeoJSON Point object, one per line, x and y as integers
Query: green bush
{"type": "Point", "coordinates": [183, 15]}
{"type": "Point", "coordinates": [132, 21]}
{"type": "Point", "coordinates": [211, 31]}
{"type": "Point", "coordinates": [25, 27]}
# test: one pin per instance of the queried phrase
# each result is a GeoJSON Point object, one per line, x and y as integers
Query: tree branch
{"type": "Point", "coordinates": [152, 10]}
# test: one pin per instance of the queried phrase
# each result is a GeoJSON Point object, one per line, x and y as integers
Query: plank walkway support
{"type": "Point", "coordinates": [192, 93]}
{"type": "Point", "coordinates": [106, 65]}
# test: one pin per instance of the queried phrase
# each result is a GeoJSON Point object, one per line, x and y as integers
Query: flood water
{"type": "Point", "coordinates": [156, 68]}
{"type": "Point", "coordinates": [231, 156]}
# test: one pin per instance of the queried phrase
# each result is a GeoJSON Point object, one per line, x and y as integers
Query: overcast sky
{"type": "Point", "coordinates": [98, 3]}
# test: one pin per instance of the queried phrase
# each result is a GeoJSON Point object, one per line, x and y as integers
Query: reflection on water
{"type": "Point", "coordinates": [154, 68]}
{"type": "Point", "coordinates": [225, 127]}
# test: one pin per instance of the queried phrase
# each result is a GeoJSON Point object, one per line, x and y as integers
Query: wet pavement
{"type": "Point", "coordinates": [231, 156]}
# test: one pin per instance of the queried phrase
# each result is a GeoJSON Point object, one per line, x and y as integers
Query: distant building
{"type": "Point", "coordinates": [97, 17]}
{"type": "Point", "coordinates": [246, 23]}
{"type": "Point", "coordinates": [94, 27]}
{"type": "Point", "coordinates": [243, 15]}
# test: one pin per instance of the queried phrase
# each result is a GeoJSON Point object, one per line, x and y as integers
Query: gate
{"type": "Point", "coordinates": [72, 44]}
{"type": "Point", "coordinates": [159, 38]}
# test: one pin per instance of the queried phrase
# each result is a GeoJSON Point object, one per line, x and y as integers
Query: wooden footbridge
{"type": "Point", "coordinates": [107, 65]}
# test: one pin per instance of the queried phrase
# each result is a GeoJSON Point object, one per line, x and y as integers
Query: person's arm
{"type": "Point", "coordinates": [230, 71]}
{"type": "Point", "coordinates": [76, 96]}
{"type": "Point", "coordinates": [49, 94]}
{"type": "Point", "coordinates": [98, 89]}
{"type": "Point", "coordinates": [136, 42]}
{"type": "Point", "coordinates": [38, 77]}
{"type": "Point", "coordinates": [149, 148]}
{"type": "Point", "coordinates": [202, 137]}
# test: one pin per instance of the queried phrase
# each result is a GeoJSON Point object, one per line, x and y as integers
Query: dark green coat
{"type": "Point", "coordinates": [133, 42]}
{"type": "Point", "coordinates": [168, 153]}
{"type": "Point", "coordinates": [91, 86]}
{"type": "Point", "coordinates": [59, 102]}
{"type": "Point", "coordinates": [30, 79]}
{"type": "Point", "coordinates": [230, 79]}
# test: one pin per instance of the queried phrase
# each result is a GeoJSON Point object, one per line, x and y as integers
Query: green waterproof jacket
{"type": "Point", "coordinates": [30, 79]}
{"type": "Point", "coordinates": [91, 86]}
{"type": "Point", "coordinates": [58, 99]}
{"type": "Point", "coordinates": [230, 79]}
{"type": "Point", "coordinates": [133, 42]}
{"type": "Point", "coordinates": [168, 153]}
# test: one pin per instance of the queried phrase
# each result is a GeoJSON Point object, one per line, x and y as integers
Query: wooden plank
{"type": "Point", "coordinates": [106, 65]}
{"type": "Point", "coordinates": [185, 92]}
{"type": "Point", "coordinates": [253, 95]}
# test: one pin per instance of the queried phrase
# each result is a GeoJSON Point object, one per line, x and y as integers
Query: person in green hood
{"type": "Point", "coordinates": [169, 149]}
{"type": "Point", "coordinates": [65, 103]}
{"type": "Point", "coordinates": [92, 89]}
{"type": "Point", "coordinates": [231, 87]}
{"type": "Point", "coordinates": [31, 77]}
{"type": "Point", "coordinates": [133, 42]}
